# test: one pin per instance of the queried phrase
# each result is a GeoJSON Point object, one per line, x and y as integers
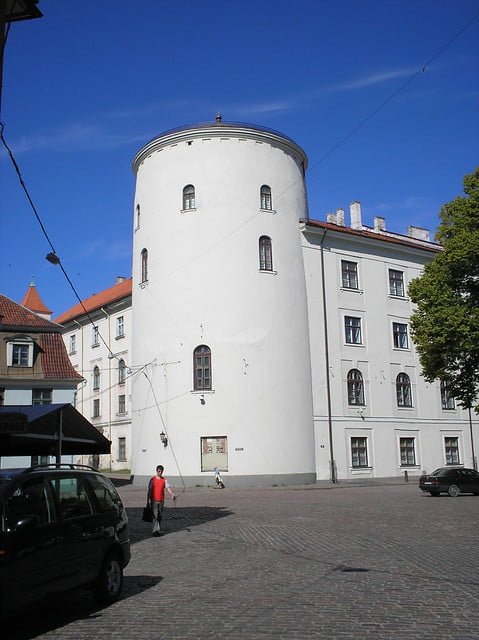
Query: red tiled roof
{"type": "Point", "coordinates": [97, 300]}
{"type": "Point", "coordinates": [14, 315]}
{"type": "Point", "coordinates": [55, 361]}
{"type": "Point", "coordinates": [31, 300]}
{"type": "Point", "coordinates": [396, 238]}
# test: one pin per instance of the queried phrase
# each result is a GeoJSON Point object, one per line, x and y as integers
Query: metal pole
{"type": "Point", "coordinates": [60, 429]}
{"type": "Point", "coordinates": [474, 461]}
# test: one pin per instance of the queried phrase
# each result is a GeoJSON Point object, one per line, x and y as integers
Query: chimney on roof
{"type": "Point", "coordinates": [379, 224]}
{"type": "Point", "coordinates": [419, 233]}
{"type": "Point", "coordinates": [355, 213]}
{"type": "Point", "coordinates": [331, 218]}
{"type": "Point", "coordinates": [340, 217]}
{"type": "Point", "coordinates": [120, 279]}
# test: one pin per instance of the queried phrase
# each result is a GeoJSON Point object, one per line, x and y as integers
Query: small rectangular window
{"type": "Point", "coordinates": [359, 452]}
{"type": "Point", "coordinates": [400, 337]}
{"type": "Point", "coordinates": [95, 337]}
{"type": "Point", "coordinates": [120, 327]}
{"type": "Point", "coordinates": [20, 355]}
{"type": "Point", "coordinates": [451, 446]}
{"type": "Point", "coordinates": [73, 344]}
{"type": "Point", "coordinates": [349, 273]}
{"type": "Point", "coordinates": [408, 455]}
{"type": "Point", "coordinates": [96, 408]}
{"type": "Point", "coordinates": [447, 400]}
{"type": "Point", "coordinates": [121, 449]}
{"type": "Point", "coordinates": [396, 283]}
{"type": "Point", "coordinates": [352, 330]}
{"type": "Point", "coordinates": [41, 396]}
{"type": "Point", "coordinates": [121, 404]}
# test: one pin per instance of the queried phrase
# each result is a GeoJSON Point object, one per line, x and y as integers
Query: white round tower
{"type": "Point", "coordinates": [221, 352]}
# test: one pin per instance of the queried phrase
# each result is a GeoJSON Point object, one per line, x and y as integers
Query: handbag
{"type": "Point", "coordinates": [147, 514]}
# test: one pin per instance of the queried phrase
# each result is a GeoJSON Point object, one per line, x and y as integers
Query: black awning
{"type": "Point", "coordinates": [48, 429]}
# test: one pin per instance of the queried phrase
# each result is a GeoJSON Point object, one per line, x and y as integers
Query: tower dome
{"type": "Point", "coordinates": [220, 321]}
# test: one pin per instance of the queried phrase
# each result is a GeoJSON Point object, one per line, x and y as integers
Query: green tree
{"type": "Point", "coordinates": [445, 325]}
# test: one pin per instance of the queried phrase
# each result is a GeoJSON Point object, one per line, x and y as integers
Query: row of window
{"type": "Point", "coordinates": [122, 371]}
{"type": "Point", "coordinates": [353, 333]}
{"type": "Point", "coordinates": [356, 396]}
{"type": "Point", "coordinates": [407, 450]}
{"type": "Point", "coordinates": [95, 335]}
{"type": "Point", "coordinates": [121, 407]}
{"type": "Point", "coordinates": [265, 257]}
{"type": "Point", "coordinates": [189, 200]}
{"type": "Point", "coordinates": [350, 279]}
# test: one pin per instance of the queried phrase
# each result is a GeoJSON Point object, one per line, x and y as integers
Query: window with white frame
{"type": "Point", "coordinates": [349, 274]}
{"type": "Point", "coordinates": [121, 404]}
{"type": "Point", "coordinates": [352, 330]}
{"type": "Point", "coordinates": [265, 254]}
{"type": "Point", "coordinates": [96, 408]}
{"type": "Point", "coordinates": [20, 353]}
{"type": "Point", "coordinates": [403, 390]}
{"type": "Point", "coordinates": [121, 372]}
{"type": "Point", "coordinates": [202, 368]}
{"type": "Point", "coordinates": [355, 387]}
{"type": "Point", "coordinates": [144, 265]}
{"type": "Point", "coordinates": [396, 283]}
{"type": "Point", "coordinates": [96, 378]}
{"type": "Point", "coordinates": [189, 197]}
{"type": "Point", "coordinates": [120, 327]}
{"type": "Point", "coordinates": [41, 396]}
{"type": "Point", "coordinates": [447, 400]}
{"type": "Point", "coordinates": [73, 343]}
{"type": "Point", "coordinates": [121, 449]}
{"type": "Point", "coordinates": [407, 451]}
{"type": "Point", "coordinates": [266, 201]}
{"type": "Point", "coordinates": [400, 337]}
{"type": "Point", "coordinates": [95, 336]}
{"type": "Point", "coordinates": [451, 448]}
{"type": "Point", "coordinates": [359, 452]}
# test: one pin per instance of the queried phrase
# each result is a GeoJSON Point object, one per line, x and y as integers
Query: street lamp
{"type": "Point", "coordinates": [164, 439]}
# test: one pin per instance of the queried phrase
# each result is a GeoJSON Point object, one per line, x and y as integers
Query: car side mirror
{"type": "Point", "coordinates": [26, 523]}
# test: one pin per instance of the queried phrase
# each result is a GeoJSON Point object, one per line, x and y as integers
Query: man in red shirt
{"type": "Point", "coordinates": [156, 497]}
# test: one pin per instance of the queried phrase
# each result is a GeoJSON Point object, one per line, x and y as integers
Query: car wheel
{"type": "Point", "coordinates": [453, 490]}
{"type": "Point", "coordinates": [434, 493]}
{"type": "Point", "coordinates": [108, 585]}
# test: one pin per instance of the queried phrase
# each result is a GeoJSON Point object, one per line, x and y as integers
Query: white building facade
{"type": "Point", "coordinates": [265, 344]}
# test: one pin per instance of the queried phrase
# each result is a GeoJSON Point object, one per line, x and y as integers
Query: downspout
{"type": "Point", "coordinates": [326, 358]}
{"type": "Point", "coordinates": [109, 380]}
{"type": "Point", "coordinates": [60, 434]}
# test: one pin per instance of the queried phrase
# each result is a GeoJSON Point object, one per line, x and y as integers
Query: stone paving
{"type": "Point", "coordinates": [333, 562]}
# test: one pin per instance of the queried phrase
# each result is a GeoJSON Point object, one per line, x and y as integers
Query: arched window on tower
{"type": "Point", "coordinates": [266, 201]}
{"type": "Point", "coordinates": [265, 254]}
{"type": "Point", "coordinates": [202, 368]}
{"type": "Point", "coordinates": [189, 201]}
{"type": "Point", "coordinates": [144, 265]}
{"type": "Point", "coordinates": [96, 378]}
{"type": "Point", "coordinates": [355, 387]}
{"type": "Point", "coordinates": [138, 213]}
{"type": "Point", "coordinates": [403, 390]}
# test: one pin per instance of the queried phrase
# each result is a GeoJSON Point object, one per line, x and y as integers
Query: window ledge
{"type": "Point", "coordinates": [359, 470]}
{"type": "Point", "coordinates": [400, 408]}
{"type": "Point", "coordinates": [202, 392]}
{"type": "Point", "coordinates": [407, 349]}
{"type": "Point", "coordinates": [94, 345]}
{"type": "Point", "coordinates": [271, 211]}
{"type": "Point", "coordinates": [72, 353]}
{"type": "Point", "coordinates": [143, 284]}
{"type": "Point", "coordinates": [270, 271]}
{"type": "Point", "coordinates": [352, 290]}
{"type": "Point", "coordinates": [354, 344]}
{"type": "Point", "coordinates": [391, 296]}
{"type": "Point", "coordinates": [120, 336]}
{"type": "Point", "coordinates": [410, 466]}
{"type": "Point", "coordinates": [187, 210]}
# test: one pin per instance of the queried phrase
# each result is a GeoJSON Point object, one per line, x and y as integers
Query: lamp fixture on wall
{"type": "Point", "coordinates": [164, 439]}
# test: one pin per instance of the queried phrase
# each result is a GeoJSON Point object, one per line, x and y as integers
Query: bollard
{"type": "Point", "coordinates": [406, 477]}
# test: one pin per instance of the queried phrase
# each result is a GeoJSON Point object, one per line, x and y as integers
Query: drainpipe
{"type": "Point", "coordinates": [109, 380]}
{"type": "Point", "coordinates": [474, 461]}
{"type": "Point", "coordinates": [326, 358]}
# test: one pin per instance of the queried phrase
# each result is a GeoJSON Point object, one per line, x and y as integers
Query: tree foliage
{"type": "Point", "coordinates": [445, 325]}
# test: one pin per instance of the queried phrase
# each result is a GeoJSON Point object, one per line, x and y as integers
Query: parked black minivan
{"type": "Point", "coordinates": [61, 527]}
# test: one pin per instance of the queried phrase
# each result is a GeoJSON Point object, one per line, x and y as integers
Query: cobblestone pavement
{"type": "Point", "coordinates": [342, 562]}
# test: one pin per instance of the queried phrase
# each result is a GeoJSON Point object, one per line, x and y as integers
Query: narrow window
{"type": "Point", "coordinates": [121, 449]}
{"type": "Point", "coordinates": [189, 200]}
{"type": "Point", "coordinates": [96, 408]}
{"type": "Point", "coordinates": [352, 330]}
{"type": "Point", "coordinates": [96, 378]}
{"type": "Point", "coordinates": [403, 390]}
{"type": "Point", "coordinates": [451, 446]}
{"type": "Point", "coordinates": [95, 336]}
{"type": "Point", "coordinates": [265, 254]}
{"type": "Point", "coordinates": [41, 396]}
{"type": "Point", "coordinates": [121, 372]}
{"type": "Point", "coordinates": [396, 283]}
{"type": "Point", "coordinates": [202, 368]}
{"type": "Point", "coordinates": [144, 265]}
{"type": "Point", "coordinates": [121, 404]}
{"type": "Point", "coordinates": [266, 201]}
{"type": "Point", "coordinates": [400, 338]}
{"type": "Point", "coordinates": [138, 214]}
{"type": "Point", "coordinates": [20, 355]}
{"type": "Point", "coordinates": [120, 327]}
{"type": "Point", "coordinates": [73, 344]}
{"type": "Point", "coordinates": [447, 400]}
{"type": "Point", "coordinates": [355, 387]}
{"type": "Point", "coordinates": [349, 273]}
{"type": "Point", "coordinates": [359, 452]}
{"type": "Point", "coordinates": [408, 455]}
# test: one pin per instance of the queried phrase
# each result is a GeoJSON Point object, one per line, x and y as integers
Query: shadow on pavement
{"type": "Point", "coordinates": [174, 519]}
{"type": "Point", "coordinates": [57, 611]}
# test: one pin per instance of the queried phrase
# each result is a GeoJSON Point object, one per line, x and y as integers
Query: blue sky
{"type": "Point", "coordinates": [89, 83]}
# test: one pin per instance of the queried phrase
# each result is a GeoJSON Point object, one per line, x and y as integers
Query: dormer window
{"type": "Point", "coordinates": [20, 352]}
